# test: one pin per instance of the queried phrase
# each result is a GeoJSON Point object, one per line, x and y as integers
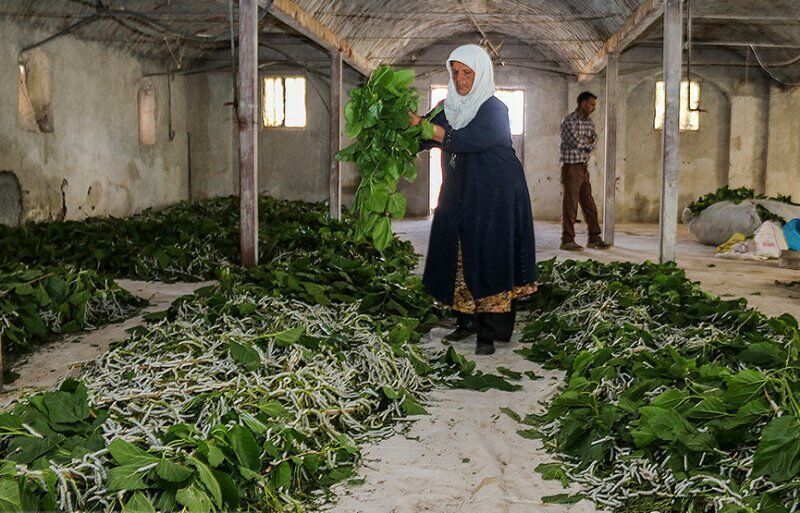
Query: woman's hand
{"type": "Point", "coordinates": [438, 133]}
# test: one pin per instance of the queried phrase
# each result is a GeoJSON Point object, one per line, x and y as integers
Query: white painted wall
{"type": "Point", "coordinates": [783, 156]}
{"type": "Point", "coordinates": [93, 155]}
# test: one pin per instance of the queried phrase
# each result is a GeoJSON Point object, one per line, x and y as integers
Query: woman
{"type": "Point", "coordinates": [481, 255]}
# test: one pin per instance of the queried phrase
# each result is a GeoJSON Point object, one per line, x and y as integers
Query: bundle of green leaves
{"type": "Point", "coordinates": [675, 400]}
{"type": "Point", "coordinates": [37, 303]}
{"type": "Point", "coordinates": [385, 149]}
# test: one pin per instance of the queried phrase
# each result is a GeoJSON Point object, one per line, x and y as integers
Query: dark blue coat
{"type": "Point", "coordinates": [484, 203]}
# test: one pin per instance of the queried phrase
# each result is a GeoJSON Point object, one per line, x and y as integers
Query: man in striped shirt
{"type": "Point", "coordinates": [578, 141]}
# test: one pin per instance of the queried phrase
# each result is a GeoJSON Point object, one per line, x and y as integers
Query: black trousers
{"type": "Point", "coordinates": [495, 326]}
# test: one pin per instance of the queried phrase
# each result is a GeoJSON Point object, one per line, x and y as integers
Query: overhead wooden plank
{"type": "Point", "coordinates": [673, 50]}
{"type": "Point", "coordinates": [609, 205]}
{"type": "Point", "coordinates": [248, 131]}
{"type": "Point", "coordinates": [634, 26]}
{"type": "Point", "coordinates": [305, 23]}
{"type": "Point", "coordinates": [336, 134]}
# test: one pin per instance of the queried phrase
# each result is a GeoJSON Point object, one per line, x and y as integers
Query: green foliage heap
{"type": "Point", "coordinates": [38, 303]}
{"type": "Point", "coordinates": [254, 434]}
{"type": "Point", "coordinates": [385, 149]}
{"type": "Point", "coordinates": [69, 264]}
{"type": "Point", "coordinates": [247, 395]}
{"type": "Point", "coordinates": [705, 393]}
{"type": "Point", "coordinates": [262, 452]}
{"type": "Point", "coordinates": [737, 196]}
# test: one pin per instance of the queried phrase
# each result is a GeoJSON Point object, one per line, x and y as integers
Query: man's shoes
{"type": "Point", "coordinates": [485, 346]}
{"type": "Point", "coordinates": [571, 246]}
{"type": "Point", "coordinates": [599, 244]}
{"type": "Point", "coordinates": [462, 332]}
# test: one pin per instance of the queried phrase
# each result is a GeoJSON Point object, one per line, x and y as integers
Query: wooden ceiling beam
{"type": "Point", "coordinates": [291, 14]}
{"type": "Point", "coordinates": [634, 26]}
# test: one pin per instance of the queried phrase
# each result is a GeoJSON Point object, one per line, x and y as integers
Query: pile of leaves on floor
{"type": "Point", "coordinates": [36, 303]}
{"type": "Point", "coordinates": [189, 241]}
{"type": "Point", "coordinates": [59, 277]}
{"type": "Point", "coordinates": [252, 394]}
{"type": "Point", "coordinates": [39, 303]}
{"type": "Point", "coordinates": [675, 400]}
{"type": "Point", "coordinates": [235, 401]}
{"type": "Point", "coordinates": [725, 193]}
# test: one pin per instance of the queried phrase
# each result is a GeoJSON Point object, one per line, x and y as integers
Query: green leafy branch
{"type": "Point", "coordinates": [385, 149]}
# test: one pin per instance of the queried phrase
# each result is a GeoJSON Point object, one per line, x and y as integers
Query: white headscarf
{"type": "Point", "coordinates": [460, 110]}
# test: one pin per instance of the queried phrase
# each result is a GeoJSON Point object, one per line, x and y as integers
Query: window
{"type": "Point", "coordinates": [690, 119]}
{"type": "Point", "coordinates": [284, 102]}
{"type": "Point", "coordinates": [35, 92]}
{"type": "Point", "coordinates": [514, 100]}
{"type": "Point", "coordinates": [147, 115]}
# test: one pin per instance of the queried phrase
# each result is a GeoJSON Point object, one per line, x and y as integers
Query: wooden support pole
{"type": "Point", "coordinates": [336, 134]}
{"type": "Point", "coordinates": [673, 48]}
{"type": "Point", "coordinates": [248, 130]}
{"type": "Point", "coordinates": [609, 205]}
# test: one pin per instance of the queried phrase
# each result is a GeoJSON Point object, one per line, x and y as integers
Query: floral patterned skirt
{"type": "Point", "coordinates": [499, 303]}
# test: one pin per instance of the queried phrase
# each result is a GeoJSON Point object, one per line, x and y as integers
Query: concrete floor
{"type": "Point", "coordinates": [753, 281]}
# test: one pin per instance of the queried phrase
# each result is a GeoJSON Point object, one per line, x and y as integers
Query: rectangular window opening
{"type": "Point", "coordinates": [689, 118]}
{"type": "Point", "coordinates": [284, 102]}
{"type": "Point", "coordinates": [515, 101]}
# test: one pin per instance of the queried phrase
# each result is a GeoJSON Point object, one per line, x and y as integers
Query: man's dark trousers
{"type": "Point", "coordinates": [577, 190]}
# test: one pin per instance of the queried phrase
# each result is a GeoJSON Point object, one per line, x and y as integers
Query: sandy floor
{"type": "Point", "coordinates": [46, 368]}
{"type": "Point", "coordinates": [466, 457]}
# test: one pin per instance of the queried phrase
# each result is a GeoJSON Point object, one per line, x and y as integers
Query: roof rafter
{"type": "Point", "coordinates": [634, 26]}
{"type": "Point", "coordinates": [288, 12]}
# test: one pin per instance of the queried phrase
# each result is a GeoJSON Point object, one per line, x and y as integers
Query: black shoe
{"type": "Point", "coordinates": [484, 346]}
{"type": "Point", "coordinates": [460, 333]}
{"type": "Point", "coordinates": [465, 328]}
